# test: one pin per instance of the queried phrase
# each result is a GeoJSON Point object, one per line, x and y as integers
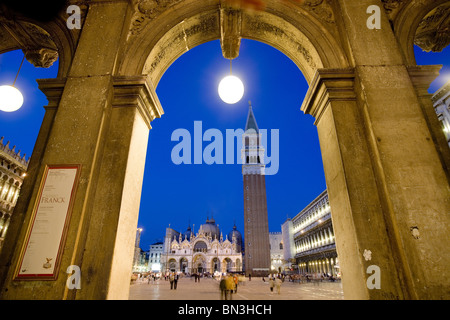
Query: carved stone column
{"type": "Point", "coordinates": [101, 124]}
{"type": "Point", "coordinates": [411, 183]}
{"type": "Point", "coordinates": [358, 219]}
{"type": "Point", "coordinates": [109, 246]}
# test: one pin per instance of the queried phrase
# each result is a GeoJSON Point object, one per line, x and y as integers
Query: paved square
{"type": "Point", "coordinates": [256, 289]}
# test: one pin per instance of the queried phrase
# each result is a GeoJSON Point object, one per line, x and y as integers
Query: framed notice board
{"type": "Point", "coordinates": [41, 253]}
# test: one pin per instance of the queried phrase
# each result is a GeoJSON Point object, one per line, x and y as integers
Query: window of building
{"type": "Point", "coordinates": [200, 247]}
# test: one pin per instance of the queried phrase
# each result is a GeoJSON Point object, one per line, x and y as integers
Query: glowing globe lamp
{"type": "Point", "coordinates": [10, 99]}
{"type": "Point", "coordinates": [231, 89]}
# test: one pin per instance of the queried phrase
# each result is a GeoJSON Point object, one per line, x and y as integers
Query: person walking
{"type": "Point", "coordinates": [316, 279]}
{"type": "Point", "coordinates": [223, 289]}
{"type": "Point", "coordinates": [230, 286]}
{"type": "Point", "coordinates": [278, 284]}
{"type": "Point", "coordinates": [175, 281]}
{"type": "Point", "coordinates": [236, 281]}
{"type": "Point", "coordinates": [171, 280]}
{"type": "Point", "coordinates": [271, 284]}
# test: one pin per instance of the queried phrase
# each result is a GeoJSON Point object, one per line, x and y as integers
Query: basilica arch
{"type": "Point", "coordinates": [199, 264]}
{"type": "Point", "coordinates": [385, 167]}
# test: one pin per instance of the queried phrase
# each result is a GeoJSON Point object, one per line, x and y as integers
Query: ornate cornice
{"type": "Point", "coordinates": [328, 85]}
{"type": "Point", "coordinates": [137, 91]}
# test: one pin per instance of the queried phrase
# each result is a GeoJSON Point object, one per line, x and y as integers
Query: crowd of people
{"type": "Point", "coordinates": [228, 283]}
{"type": "Point", "coordinates": [312, 277]}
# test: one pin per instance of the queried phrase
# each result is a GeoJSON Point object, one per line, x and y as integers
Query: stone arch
{"type": "Point", "coordinates": [425, 24]}
{"type": "Point", "coordinates": [288, 27]}
{"type": "Point", "coordinates": [199, 263]}
{"type": "Point", "coordinates": [215, 264]}
{"type": "Point", "coordinates": [172, 265]}
{"type": "Point", "coordinates": [407, 22]}
{"type": "Point", "coordinates": [184, 265]}
{"type": "Point", "coordinates": [227, 265]}
{"type": "Point", "coordinates": [370, 162]}
{"type": "Point", "coordinates": [40, 39]}
{"type": "Point", "coordinates": [200, 246]}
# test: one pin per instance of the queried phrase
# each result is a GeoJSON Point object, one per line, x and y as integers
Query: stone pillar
{"type": "Point", "coordinates": [358, 220]}
{"type": "Point", "coordinates": [385, 179]}
{"type": "Point", "coordinates": [101, 123]}
{"type": "Point", "coordinates": [412, 181]}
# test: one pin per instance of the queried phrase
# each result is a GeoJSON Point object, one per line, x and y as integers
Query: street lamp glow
{"type": "Point", "coordinates": [231, 89]}
{"type": "Point", "coordinates": [10, 99]}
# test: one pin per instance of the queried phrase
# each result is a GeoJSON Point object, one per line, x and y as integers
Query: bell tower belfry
{"type": "Point", "coordinates": [257, 249]}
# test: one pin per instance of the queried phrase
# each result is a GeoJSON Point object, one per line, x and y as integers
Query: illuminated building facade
{"type": "Point", "coordinates": [13, 168]}
{"type": "Point", "coordinates": [207, 251]}
{"type": "Point", "coordinates": [441, 103]}
{"type": "Point", "coordinates": [314, 247]}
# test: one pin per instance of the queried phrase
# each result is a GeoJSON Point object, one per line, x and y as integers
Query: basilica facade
{"type": "Point", "coordinates": [206, 251]}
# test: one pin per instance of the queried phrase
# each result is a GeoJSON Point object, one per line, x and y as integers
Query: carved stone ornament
{"type": "Point", "coordinates": [147, 10]}
{"type": "Point", "coordinates": [393, 7]}
{"type": "Point", "coordinates": [257, 25]}
{"type": "Point", "coordinates": [321, 9]}
{"type": "Point", "coordinates": [36, 43]}
{"type": "Point", "coordinates": [41, 58]}
{"type": "Point", "coordinates": [433, 33]}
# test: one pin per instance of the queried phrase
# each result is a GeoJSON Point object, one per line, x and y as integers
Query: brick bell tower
{"type": "Point", "coordinates": [257, 248]}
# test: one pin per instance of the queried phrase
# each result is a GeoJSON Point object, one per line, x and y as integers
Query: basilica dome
{"type": "Point", "coordinates": [187, 234]}
{"type": "Point", "coordinates": [210, 228]}
{"type": "Point", "coordinates": [235, 233]}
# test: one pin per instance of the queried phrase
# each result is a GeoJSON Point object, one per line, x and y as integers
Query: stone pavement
{"type": "Point", "coordinates": [208, 289]}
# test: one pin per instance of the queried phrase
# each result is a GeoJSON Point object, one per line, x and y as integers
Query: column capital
{"type": "Point", "coordinates": [422, 77]}
{"type": "Point", "coordinates": [328, 85]}
{"type": "Point", "coordinates": [137, 91]}
{"type": "Point", "coordinates": [53, 89]}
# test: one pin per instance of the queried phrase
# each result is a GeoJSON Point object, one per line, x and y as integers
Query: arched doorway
{"type": "Point", "coordinates": [372, 131]}
{"type": "Point", "coordinates": [215, 265]}
{"type": "Point", "coordinates": [227, 264]}
{"type": "Point", "coordinates": [199, 264]}
{"type": "Point", "coordinates": [184, 265]}
{"type": "Point", "coordinates": [173, 267]}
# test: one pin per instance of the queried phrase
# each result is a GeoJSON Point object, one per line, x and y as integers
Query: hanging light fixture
{"type": "Point", "coordinates": [11, 99]}
{"type": "Point", "coordinates": [231, 88]}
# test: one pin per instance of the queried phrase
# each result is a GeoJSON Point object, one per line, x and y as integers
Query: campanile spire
{"type": "Point", "coordinates": [257, 248]}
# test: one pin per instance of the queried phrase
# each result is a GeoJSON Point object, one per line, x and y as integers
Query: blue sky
{"type": "Point", "coordinates": [183, 194]}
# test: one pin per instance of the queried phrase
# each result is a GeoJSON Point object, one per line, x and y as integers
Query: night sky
{"type": "Point", "coordinates": [182, 194]}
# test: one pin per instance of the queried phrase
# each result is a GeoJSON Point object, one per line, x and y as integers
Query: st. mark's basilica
{"type": "Point", "coordinates": [206, 251]}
